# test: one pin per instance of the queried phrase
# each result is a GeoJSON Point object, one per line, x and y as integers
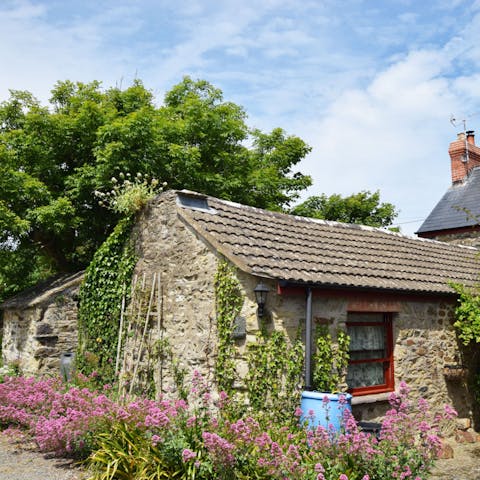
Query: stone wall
{"type": "Point", "coordinates": [470, 238]}
{"type": "Point", "coordinates": [41, 326]}
{"type": "Point", "coordinates": [184, 308]}
{"type": "Point", "coordinates": [424, 342]}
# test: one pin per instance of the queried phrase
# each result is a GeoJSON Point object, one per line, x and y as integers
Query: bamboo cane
{"type": "Point", "coordinates": [120, 330]}
{"type": "Point", "coordinates": [129, 327]}
{"type": "Point", "coordinates": [142, 340]}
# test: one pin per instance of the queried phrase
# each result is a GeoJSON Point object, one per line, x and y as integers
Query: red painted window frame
{"type": "Point", "coordinates": [388, 372]}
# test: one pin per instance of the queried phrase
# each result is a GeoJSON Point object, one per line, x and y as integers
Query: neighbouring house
{"type": "Point", "coordinates": [456, 217]}
{"type": "Point", "coordinates": [40, 326]}
{"type": "Point", "coordinates": [389, 291]}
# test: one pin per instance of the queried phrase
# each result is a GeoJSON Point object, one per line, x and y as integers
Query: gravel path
{"type": "Point", "coordinates": [23, 461]}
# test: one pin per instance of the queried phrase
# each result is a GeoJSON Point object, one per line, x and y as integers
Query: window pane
{"type": "Point", "coordinates": [365, 375]}
{"type": "Point", "coordinates": [367, 342]}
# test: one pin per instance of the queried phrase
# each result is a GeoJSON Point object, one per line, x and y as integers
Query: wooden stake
{"type": "Point", "coordinates": [145, 327]}
{"type": "Point", "coordinates": [120, 330]}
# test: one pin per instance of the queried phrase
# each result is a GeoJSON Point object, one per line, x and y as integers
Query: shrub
{"type": "Point", "coordinates": [203, 439]}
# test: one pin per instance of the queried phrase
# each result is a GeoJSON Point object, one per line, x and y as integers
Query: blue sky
{"type": "Point", "coordinates": [370, 85]}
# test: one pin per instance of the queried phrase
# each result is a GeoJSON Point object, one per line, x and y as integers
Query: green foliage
{"type": "Point", "coordinates": [330, 360]}
{"type": "Point", "coordinates": [128, 195]}
{"type": "Point", "coordinates": [164, 353]}
{"type": "Point", "coordinates": [52, 159]}
{"type": "Point", "coordinates": [125, 453]}
{"type": "Point", "coordinates": [467, 313]}
{"type": "Point", "coordinates": [274, 375]}
{"type": "Point", "coordinates": [100, 302]}
{"type": "Point", "coordinates": [229, 302]}
{"type": "Point", "coordinates": [12, 369]}
{"type": "Point", "coordinates": [363, 208]}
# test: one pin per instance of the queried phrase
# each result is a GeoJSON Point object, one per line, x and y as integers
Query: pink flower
{"type": "Point", "coordinates": [449, 412]}
{"type": "Point", "coordinates": [188, 455]}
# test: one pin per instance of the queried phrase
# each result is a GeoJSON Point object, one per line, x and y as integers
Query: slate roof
{"type": "Point", "coordinates": [451, 211]}
{"type": "Point", "coordinates": [331, 254]}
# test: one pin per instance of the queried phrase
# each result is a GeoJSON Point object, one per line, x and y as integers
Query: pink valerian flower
{"type": "Point", "coordinates": [191, 421]}
{"type": "Point", "coordinates": [219, 449]}
{"type": "Point", "coordinates": [263, 441]}
{"type": "Point", "coordinates": [342, 477]}
{"type": "Point", "coordinates": [188, 455]}
{"type": "Point", "coordinates": [366, 477]}
{"type": "Point", "coordinates": [244, 430]}
{"type": "Point", "coordinates": [407, 472]}
{"type": "Point", "coordinates": [449, 412]}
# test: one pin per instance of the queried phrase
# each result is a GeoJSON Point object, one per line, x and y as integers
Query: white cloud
{"type": "Point", "coordinates": [387, 136]}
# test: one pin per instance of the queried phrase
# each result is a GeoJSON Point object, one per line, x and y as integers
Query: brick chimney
{"type": "Point", "coordinates": [462, 162]}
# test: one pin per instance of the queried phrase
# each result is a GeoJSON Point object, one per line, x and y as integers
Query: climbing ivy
{"type": "Point", "coordinates": [274, 374]}
{"type": "Point", "coordinates": [467, 314]}
{"type": "Point", "coordinates": [229, 302]}
{"type": "Point", "coordinates": [274, 367]}
{"type": "Point", "coordinates": [100, 302]}
{"type": "Point", "coordinates": [330, 361]}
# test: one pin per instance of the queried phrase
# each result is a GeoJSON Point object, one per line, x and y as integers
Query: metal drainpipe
{"type": "Point", "coordinates": [308, 341]}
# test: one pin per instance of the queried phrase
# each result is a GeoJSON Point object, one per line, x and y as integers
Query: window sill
{"type": "Point", "coordinates": [376, 397]}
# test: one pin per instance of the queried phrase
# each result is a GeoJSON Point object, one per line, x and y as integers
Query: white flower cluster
{"type": "Point", "coordinates": [129, 194]}
{"type": "Point", "coordinates": [5, 370]}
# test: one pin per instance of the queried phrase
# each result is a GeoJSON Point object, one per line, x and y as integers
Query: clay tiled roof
{"type": "Point", "coordinates": [44, 291]}
{"type": "Point", "coordinates": [330, 254]}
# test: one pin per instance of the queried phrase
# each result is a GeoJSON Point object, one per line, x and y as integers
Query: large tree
{"type": "Point", "coordinates": [363, 208]}
{"type": "Point", "coordinates": [53, 158]}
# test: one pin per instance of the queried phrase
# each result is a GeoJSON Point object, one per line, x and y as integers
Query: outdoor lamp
{"type": "Point", "coordinates": [261, 292]}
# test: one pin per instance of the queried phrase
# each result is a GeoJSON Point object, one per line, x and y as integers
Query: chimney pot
{"type": "Point", "coordinates": [471, 137]}
{"type": "Point", "coordinates": [461, 136]}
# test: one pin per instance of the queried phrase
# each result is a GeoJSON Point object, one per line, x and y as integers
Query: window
{"type": "Point", "coordinates": [370, 367]}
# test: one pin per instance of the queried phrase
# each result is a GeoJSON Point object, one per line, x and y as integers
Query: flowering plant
{"type": "Point", "coordinates": [129, 194]}
{"type": "Point", "coordinates": [201, 439]}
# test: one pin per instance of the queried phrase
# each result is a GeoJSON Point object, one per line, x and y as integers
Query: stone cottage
{"type": "Point", "coordinates": [390, 293]}
{"type": "Point", "coordinates": [40, 326]}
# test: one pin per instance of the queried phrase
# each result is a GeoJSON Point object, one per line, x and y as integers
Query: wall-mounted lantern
{"type": "Point", "coordinates": [261, 292]}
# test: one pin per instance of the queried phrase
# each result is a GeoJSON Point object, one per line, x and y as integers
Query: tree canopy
{"type": "Point", "coordinates": [364, 208]}
{"type": "Point", "coordinates": [53, 158]}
